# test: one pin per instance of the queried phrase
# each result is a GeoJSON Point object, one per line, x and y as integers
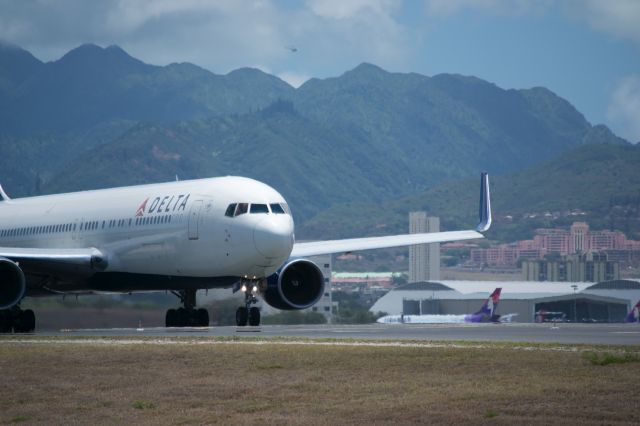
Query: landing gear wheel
{"type": "Point", "coordinates": [183, 317]}
{"type": "Point", "coordinates": [28, 321]}
{"type": "Point", "coordinates": [6, 323]}
{"type": "Point", "coordinates": [242, 315]}
{"type": "Point", "coordinates": [202, 317]}
{"type": "Point", "coordinates": [254, 316]}
{"type": "Point", "coordinates": [171, 319]}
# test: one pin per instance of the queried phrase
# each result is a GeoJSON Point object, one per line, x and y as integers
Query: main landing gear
{"type": "Point", "coordinates": [188, 315]}
{"type": "Point", "coordinates": [17, 320]}
{"type": "Point", "coordinates": [247, 313]}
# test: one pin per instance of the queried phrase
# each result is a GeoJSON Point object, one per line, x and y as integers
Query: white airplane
{"type": "Point", "coordinates": [486, 313]}
{"type": "Point", "coordinates": [179, 237]}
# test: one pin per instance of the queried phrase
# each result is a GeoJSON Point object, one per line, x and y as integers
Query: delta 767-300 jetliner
{"type": "Point", "coordinates": [180, 237]}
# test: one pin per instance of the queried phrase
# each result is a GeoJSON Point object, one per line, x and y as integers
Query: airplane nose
{"type": "Point", "coordinates": [273, 236]}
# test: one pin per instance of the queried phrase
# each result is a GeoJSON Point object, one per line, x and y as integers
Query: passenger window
{"type": "Point", "coordinates": [242, 208]}
{"type": "Point", "coordinates": [259, 208]}
{"type": "Point", "coordinates": [230, 210]}
{"type": "Point", "coordinates": [276, 208]}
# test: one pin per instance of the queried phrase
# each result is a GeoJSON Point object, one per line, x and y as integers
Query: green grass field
{"type": "Point", "coordinates": [216, 381]}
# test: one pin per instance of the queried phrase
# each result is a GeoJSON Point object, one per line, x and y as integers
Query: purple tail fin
{"type": "Point", "coordinates": [634, 314]}
{"type": "Point", "coordinates": [489, 306]}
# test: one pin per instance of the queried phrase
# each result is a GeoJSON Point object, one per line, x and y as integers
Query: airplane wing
{"type": "Point", "coordinates": [314, 248]}
{"type": "Point", "coordinates": [44, 260]}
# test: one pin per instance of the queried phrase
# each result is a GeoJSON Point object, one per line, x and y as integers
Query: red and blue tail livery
{"type": "Point", "coordinates": [487, 310]}
{"type": "Point", "coordinates": [634, 314]}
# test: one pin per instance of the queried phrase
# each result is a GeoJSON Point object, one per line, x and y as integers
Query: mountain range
{"type": "Point", "coordinates": [598, 184]}
{"type": "Point", "coordinates": [98, 117]}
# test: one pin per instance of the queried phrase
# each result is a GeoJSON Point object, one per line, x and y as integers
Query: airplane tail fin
{"type": "Point", "coordinates": [634, 314]}
{"type": "Point", "coordinates": [3, 195]}
{"type": "Point", "coordinates": [489, 306]}
{"type": "Point", "coordinates": [484, 213]}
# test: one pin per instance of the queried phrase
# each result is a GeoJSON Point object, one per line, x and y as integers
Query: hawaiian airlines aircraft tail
{"type": "Point", "coordinates": [634, 314]}
{"type": "Point", "coordinates": [488, 308]}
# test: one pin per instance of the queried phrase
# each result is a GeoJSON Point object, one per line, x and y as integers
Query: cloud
{"type": "Point", "coordinates": [219, 35]}
{"type": "Point", "coordinates": [340, 9]}
{"type": "Point", "coordinates": [293, 78]}
{"type": "Point", "coordinates": [443, 8]}
{"type": "Point", "coordinates": [624, 108]}
{"type": "Point", "coordinates": [620, 18]}
{"type": "Point", "coordinates": [357, 31]}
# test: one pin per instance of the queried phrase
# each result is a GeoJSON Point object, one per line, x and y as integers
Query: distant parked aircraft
{"type": "Point", "coordinates": [485, 314]}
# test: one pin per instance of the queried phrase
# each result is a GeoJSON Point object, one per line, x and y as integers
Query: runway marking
{"type": "Point", "coordinates": [170, 342]}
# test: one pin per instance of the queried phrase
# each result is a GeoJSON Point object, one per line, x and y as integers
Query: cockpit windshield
{"type": "Point", "coordinates": [259, 208]}
{"type": "Point", "coordinates": [242, 208]}
{"type": "Point", "coordinates": [276, 208]}
{"type": "Point", "coordinates": [236, 209]}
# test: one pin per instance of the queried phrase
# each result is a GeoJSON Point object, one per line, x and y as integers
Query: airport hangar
{"type": "Point", "coordinates": [607, 301]}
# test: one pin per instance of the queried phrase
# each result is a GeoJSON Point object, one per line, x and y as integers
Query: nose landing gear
{"type": "Point", "coordinates": [188, 315]}
{"type": "Point", "coordinates": [17, 320]}
{"type": "Point", "coordinates": [247, 313]}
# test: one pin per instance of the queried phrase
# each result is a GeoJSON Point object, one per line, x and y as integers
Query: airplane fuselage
{"type": "Point", "coordinates": [171, 230]}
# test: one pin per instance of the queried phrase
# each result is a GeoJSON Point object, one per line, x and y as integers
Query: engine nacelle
{"type": "Point", "coordinates": [299, 284]}
{"type": "Point", "coordinates": [12, 283]}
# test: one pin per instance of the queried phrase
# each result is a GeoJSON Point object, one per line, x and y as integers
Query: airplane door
{"type": "Point", "coordinates": [194, 216]}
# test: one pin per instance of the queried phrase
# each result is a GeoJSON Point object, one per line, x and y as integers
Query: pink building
{"type": "Point", "coordinates": [578, 239]}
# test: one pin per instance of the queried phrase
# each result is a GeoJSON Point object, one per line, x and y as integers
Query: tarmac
{"type": "Point", "coordinates": [605, 334]}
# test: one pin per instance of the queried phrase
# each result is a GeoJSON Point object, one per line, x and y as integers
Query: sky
{"type": "Point", "coordinates": [586, 51]}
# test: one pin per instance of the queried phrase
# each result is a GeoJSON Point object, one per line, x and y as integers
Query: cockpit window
{"type": "Point", "coordinates": [236, 209]}
{"type": "Point", "coordinates": [242, 208]}
{"type": "Point", "coordinates": [259, 208]}
{"type": "Point", "coordinates": [231, 210]}
{"type": "Point", "coordinates": [276, 208]}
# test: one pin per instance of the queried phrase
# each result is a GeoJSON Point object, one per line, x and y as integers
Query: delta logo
{"type": "Point", "coordinates": [163, 204]}
{"type": "Point", "coordinates": [140, 211]}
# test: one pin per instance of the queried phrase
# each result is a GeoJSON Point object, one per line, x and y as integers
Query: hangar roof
{"type": "Point", "coordinates": [424, 285]}
{"type": "Point", "coordinates": [616, 285]}
{"type": "Point", "coordinates": [510, 289]}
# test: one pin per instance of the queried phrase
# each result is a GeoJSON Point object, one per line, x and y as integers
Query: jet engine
{"type": "Point", "coordinates": [299, 284]}
{"type": "Point", "coordinates": [12, 283]}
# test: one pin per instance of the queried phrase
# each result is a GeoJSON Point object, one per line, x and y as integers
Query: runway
{"type": "Point", "coordinates": [605, 334]}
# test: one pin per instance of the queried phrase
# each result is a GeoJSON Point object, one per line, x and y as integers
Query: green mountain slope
{"type": "Point", "coordinates": [599, 184]}
{"type": "Point", "coordinates": [455, 123]}
{"type": "Point", "coordinates": [16, 65]}
{"type": "Point", "coordinates": [90, 85]}
{"type": "Point", "coordinates": [275, 145]}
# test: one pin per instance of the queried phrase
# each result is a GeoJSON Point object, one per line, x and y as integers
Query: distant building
{"type": "Point", "coordinates": [424, 259]}
{"type": "Point", "coordinates": [577, 239]}
{"type": "Point", "coordinates": [363, 281]}
{"type": "Point", "coordinates": [590, 267]}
